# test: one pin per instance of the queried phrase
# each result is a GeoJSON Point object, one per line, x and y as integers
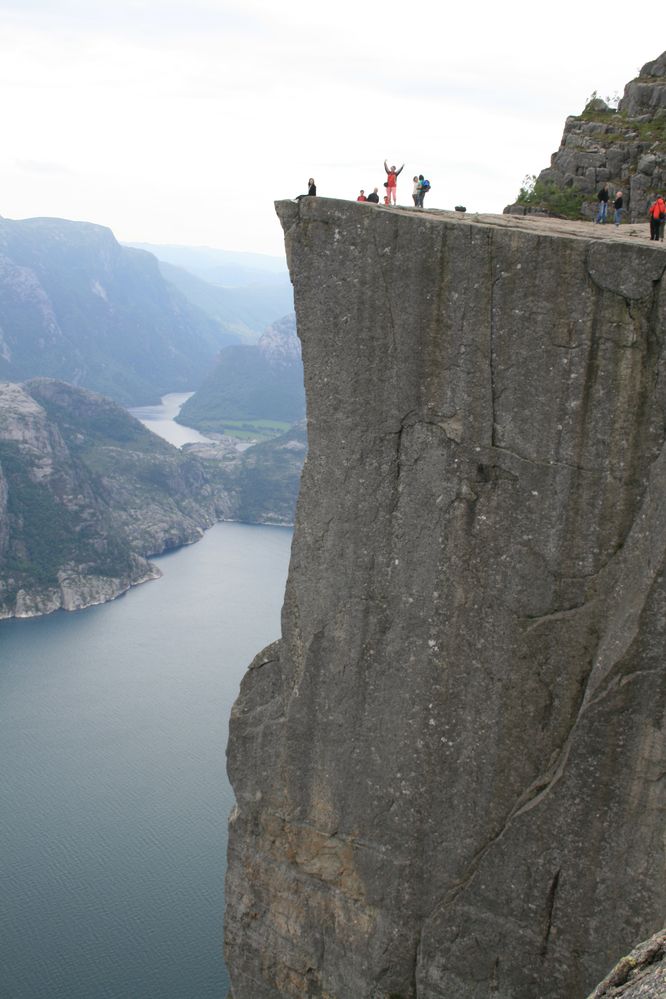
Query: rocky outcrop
{"type": "Point", "coordinates": [639, 975]}
{"type": "Point", "coordinates": [87, 495]}
{"type": "Point", "coordinates": [449, 771]}
{"type": "Point", "coordinates": [625, 148]}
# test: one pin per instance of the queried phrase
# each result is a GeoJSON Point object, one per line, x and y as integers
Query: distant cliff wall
{"type": "Point", "coordinates": [450, 770]}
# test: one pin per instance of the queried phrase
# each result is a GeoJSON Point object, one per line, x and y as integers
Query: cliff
{"type": "Point", "coordinates": [449, 771]}
{"type": "Point", "coordinates": [624, 147]}
{"type": "Point", "coordinates": [87, 495]}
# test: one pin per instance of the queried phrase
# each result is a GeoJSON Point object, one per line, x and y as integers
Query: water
{"type": "Point", "coordinates": [113, 791]}
{"type": "Point", "coordinates": [160, 419]}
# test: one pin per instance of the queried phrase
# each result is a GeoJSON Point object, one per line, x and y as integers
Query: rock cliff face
{"type": "Point", "coordinates": [449, 771]}
{"type": "Point", "coordinates": [639, 975]}
{"type": "Point", "coordinates": [625, 148]}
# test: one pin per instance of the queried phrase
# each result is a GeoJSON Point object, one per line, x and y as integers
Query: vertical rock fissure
{"type": "Point", "coordinates": [550, 905]}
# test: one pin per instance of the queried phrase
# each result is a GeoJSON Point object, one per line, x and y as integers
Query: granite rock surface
{"type": "Point", "coordinates": [639, 975]}
{"type": "Point", "coordinates": [449, 771]}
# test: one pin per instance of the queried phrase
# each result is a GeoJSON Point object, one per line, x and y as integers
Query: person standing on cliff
{"type": "Point", "coordinates": [362, 196]}
{"type": "Point", "coordinates": [415, 192]}
{"type": "Point", "coordinates": [602, 198]}
{"type": "Point", "coordinates": [657, 216]}
{"type": "Point", "coordinates": [374, 197]}
{"type": "Point", "coordinates": [424, 187]}
{"type": "Point", "coordinates": [617, 208]}
{"type": "Point", "coordinates": [392, 182]}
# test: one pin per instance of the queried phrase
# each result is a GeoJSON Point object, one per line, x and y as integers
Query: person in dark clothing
{"type": "Point", "coordinates": [312, 190]}
{"type": "Point", "coordinates": [602, 198]}
{"type": "Point", "coordinates": [424, 187]}
{"type": "Point", "coordinates": [617, 206]}
{"type": "Point", "coordinates": [374, 197]}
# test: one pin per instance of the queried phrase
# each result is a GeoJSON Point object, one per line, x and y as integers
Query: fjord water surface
{"type": "Point", "coordinates": [113, 790]}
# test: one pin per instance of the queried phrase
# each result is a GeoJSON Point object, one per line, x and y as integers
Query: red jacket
{"type": "Point", "coordinates": [657, 209]}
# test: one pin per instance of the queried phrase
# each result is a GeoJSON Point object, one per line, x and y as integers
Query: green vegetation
{"type": "Point", "coordinates": [52, 536]}
{"type": "Point", "coordinates": [625, 127]}
{"type": "Point", "coordinates": [255, 392]}
{"type": "Point", "coordinates": [244, 430]}
{"type": "Point", "coordinates": [565, 203]}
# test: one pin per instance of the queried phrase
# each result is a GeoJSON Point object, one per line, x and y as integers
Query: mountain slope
{"type": "Point", "coordinates": [77, 306]}
{"type": "Point", "coordinates": [241, 311]}
{"type": "Point", "coordinates": [87, 494]}
{"type": "Point", "coordinates": [252, 385]}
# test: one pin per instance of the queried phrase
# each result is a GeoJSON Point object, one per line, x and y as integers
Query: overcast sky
{"type": "Point", "coordinates": [181, 122]}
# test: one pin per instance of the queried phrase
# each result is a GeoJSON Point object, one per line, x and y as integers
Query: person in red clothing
{"type": "Point", "coordinates": [392, 182]}
{"type": "Point", "coordinates": [657, 216]}
{"type": "Point", "coordinates": [362, 196]}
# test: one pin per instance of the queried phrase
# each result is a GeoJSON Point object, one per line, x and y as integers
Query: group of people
{"type": "Point", "coordinates": [603, 198]}
{"type": "Point", "coordinates": [656, 212]}
{"type": "Point", "coordinates": [419, 191]}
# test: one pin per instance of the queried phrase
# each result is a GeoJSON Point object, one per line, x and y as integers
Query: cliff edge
{"type": "Point", "coordinates": [449, 772]}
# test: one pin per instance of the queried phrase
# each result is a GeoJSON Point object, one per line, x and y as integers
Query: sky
{"type": "Point", "coordinates": [181, 122]}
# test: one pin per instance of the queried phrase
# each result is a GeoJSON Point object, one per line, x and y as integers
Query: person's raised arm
{"type": "Point", "coordinates": [400, 170]}
{"type": "Point", "coordinates": [386, 167]}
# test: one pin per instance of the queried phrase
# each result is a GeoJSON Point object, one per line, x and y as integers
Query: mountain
{"type": "Point", "coordinates": [227, 268]}
{"type": "Point", "coordinates": [87, 495]}
{"type": "Point", "coordinates": [255, 391]}
{"type": "Point", "coordinates": [625, 148]}
{"type": "Point", "coordinates": [245, 311]}
{"type": "Point", "coordinates": [449, 770]}
{"type": "Point", "coordinates": [76, 305]}
{"type": "Point", "coordinates": [262, 482]}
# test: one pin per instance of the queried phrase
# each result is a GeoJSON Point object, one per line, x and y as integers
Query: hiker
{"type": "Point", "coordinates": [362, 196]}
{"type": "Point", "coordinates": [312, 191]}
{"type": "Point", "coordinates": [416, 190]}
{"type": "Point", "coordinates": [392, 182]}
{"type": "Point", "coordinates": [602, 198]}
{"type": "Point", "coordinates": [617, 208]}
{"type": "Point", "coordinates": [657, 216]}
{"type": "Point", "coordinates": [374, 197]}
{"type": "Point", "coordinates": [424, 187]}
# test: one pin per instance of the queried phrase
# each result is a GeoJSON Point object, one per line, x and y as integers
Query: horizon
{"type": "Point", "coordinates": [179, 126]}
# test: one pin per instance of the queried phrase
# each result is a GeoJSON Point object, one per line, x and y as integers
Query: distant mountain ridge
{"type": "Point", "coordinates": [251, 385]}
{"type": "Point", "coordinates": [76, 305]}
{"type": "Point", "coordinates": [243, 311]}
{"type": "Point", "coordinates": [226, 268]}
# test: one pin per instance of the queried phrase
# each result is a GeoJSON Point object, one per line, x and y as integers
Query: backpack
{"type": "Point", "coordinates": [425, 185]}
